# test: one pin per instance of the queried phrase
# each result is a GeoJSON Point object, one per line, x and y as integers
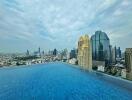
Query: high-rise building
{"type": "Point", "coordinates": [43, 52]}
{"type": "Point", "coordinates": [118, 53]}
{"type": "Point", "coordinates": [114, 55]}
{"type": "Point", "coordinates": [84, 53]}
{"type": "Point", "coordinates": [73, 54]}
{"type": "Point", "coordinates": [101, 47]}
{"type": "Point", "coordinates": [128, 61]}
{"type": "Point", "coordinates": [54, 52]}
{"type": "Point", "coordinates": [39, 50]}
{"type": "Point", "coordinates": [27, 53]}
{"type": "Point", "coordinates": [110, 60]}
{"type": "Point", "coordinates": [64, 53]}
{"type": "Point", "coordinates": [50, 52]}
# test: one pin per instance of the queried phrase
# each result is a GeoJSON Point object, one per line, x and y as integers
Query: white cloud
{"type": "Point", "coordinates": [118, 13]}
{"type": "Point", "coordinates": [55, 22]}
{"type": "Point", "coordinates": [125, 2]}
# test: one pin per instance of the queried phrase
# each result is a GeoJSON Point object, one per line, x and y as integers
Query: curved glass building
{"type": "Point", "coordinates": [100, 47]}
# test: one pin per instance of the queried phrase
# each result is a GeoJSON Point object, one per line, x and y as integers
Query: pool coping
{"type": "Point", "coordinates": [118, 81]}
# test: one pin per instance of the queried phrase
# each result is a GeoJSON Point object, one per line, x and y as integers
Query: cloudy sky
{"type": "Point", "coordinates": [28, 24]}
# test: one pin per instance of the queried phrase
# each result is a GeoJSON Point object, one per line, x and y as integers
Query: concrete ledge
{"type": "Point", "coordinates": [118, 81]}
{"type": "Point", "coordinates": [126, 84]}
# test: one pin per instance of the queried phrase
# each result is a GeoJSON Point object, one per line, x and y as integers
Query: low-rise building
{"type": "Point", "coordinates": [73, 61]}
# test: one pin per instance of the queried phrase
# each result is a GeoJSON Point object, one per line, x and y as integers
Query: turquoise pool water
{"type": "Point", "coordinates": [57, 81]}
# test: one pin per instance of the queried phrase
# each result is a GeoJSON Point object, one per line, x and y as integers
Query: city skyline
{"type": "Point", "coordinates": [58, 24]}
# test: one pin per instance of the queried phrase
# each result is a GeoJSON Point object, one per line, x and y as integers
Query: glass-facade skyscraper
{"type": "Point", "coordinates": [54, 52]}
{"type": "Point", "coordinates": [118, 52]}
{"type": "Point", "coordinates": [101, 47]}
{"type": "Point", "coordinates": [73, 54]}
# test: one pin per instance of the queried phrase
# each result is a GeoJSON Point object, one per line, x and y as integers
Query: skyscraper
{"type": "Point", "coordinates": [118, 53]}
{"type": "Point", "coordinates": [27, 53]}
{"type": "Point", "coordinates": [64, 53]}
{"type": "Point", "coordinates": [73, 54]}
{"type": "Point", "coordinates": [114, 55]}
{"type": "Point", "coordinates": [39, 50]}
{"type": "Point", "coordinates": [101, 47]}
{"type": "Point", "coordinates": [84, 53]}
{"type": "Point", "coordinates": [43, 52]}
{"type": "Point", "coordinates": [128, 61]}
{"type": "Point", "coordinates": [54, 52]}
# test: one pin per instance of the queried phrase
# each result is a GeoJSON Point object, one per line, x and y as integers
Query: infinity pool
{"type": "Point", "coordinates": [57, 81]}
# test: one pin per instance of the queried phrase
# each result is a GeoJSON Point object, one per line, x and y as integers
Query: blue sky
{"type": "Point", "coordinates": [28, 24]}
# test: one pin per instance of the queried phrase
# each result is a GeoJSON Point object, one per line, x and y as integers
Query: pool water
{"type": "Point", "coordinates": [57, 81]}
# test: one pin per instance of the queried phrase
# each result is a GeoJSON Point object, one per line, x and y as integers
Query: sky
{"type": "Point", "coordinates": [29, 24]}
